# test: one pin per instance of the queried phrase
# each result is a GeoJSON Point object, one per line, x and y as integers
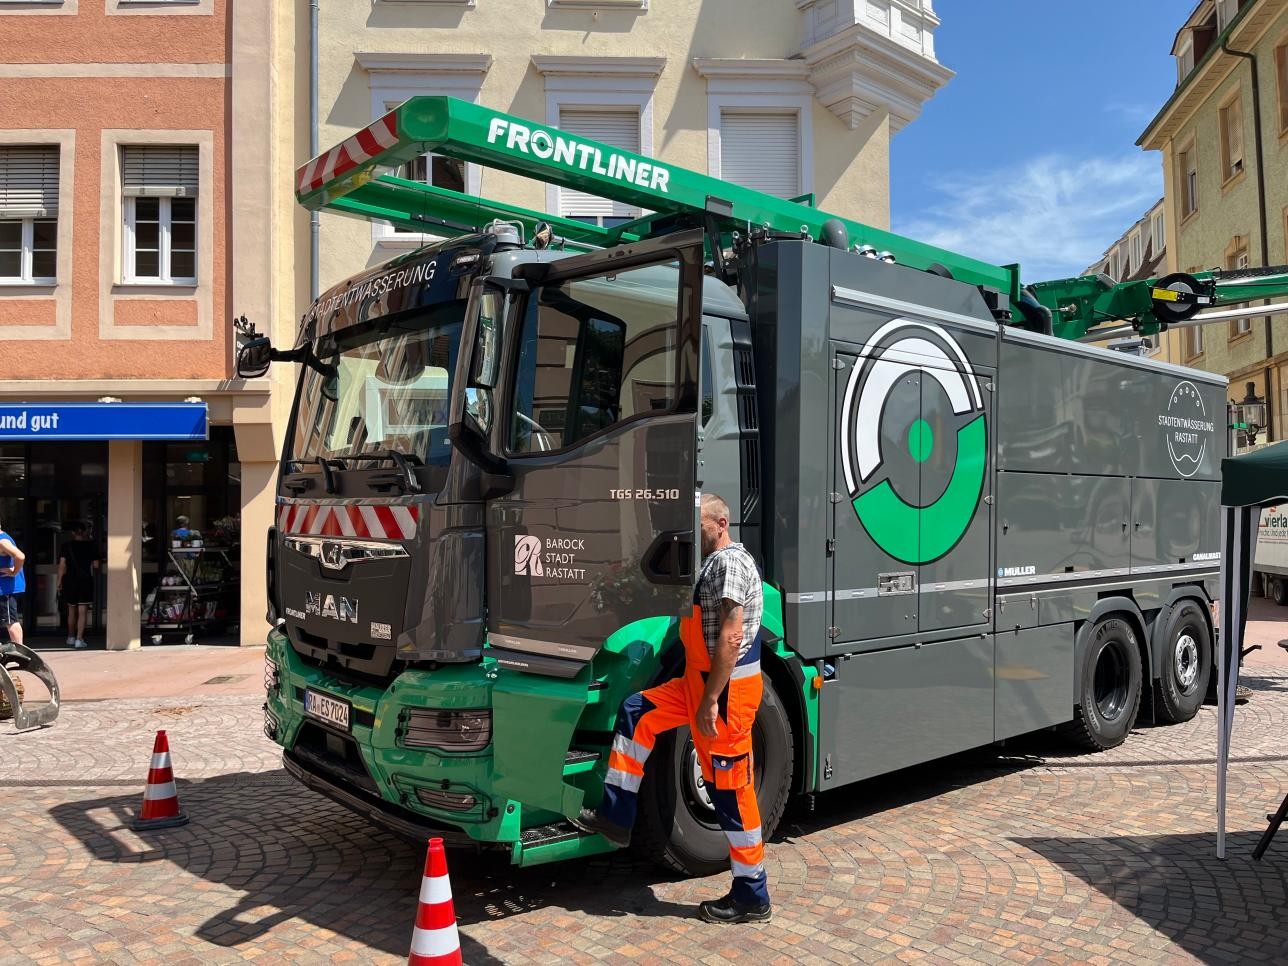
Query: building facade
{"type": "Point", "coordinates": [1223, 136]}
{"type": "Point", "coordinates": [144, 202]}
{"type": "Point", "coordinates": [1139, 253]}
{"type": "Point", "coordinates": [794, 98]}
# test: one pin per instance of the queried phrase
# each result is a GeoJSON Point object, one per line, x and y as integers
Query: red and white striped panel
{"type": "Point", "coordinates": [343, 158]}
{"type": "Point", "coordinates": [348, 520]}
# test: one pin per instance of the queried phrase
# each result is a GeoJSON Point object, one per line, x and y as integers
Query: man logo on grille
{"type": "Point", "coordinates": [928, 519]}
{"type": "Point", "coordinates": [527, 556]}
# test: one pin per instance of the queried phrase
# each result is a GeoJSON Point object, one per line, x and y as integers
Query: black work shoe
{"type": "Point", "coordinates": [725, 909]}
{"type": "Point", "coordinates": [591, 823]}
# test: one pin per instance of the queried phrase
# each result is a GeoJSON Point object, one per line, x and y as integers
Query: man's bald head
{"type": "Point", "coordinates": [715, 523]}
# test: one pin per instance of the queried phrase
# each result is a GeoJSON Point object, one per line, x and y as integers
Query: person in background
{"type": "Point", "coordinates": [181, 532]}
{"type": "Point", "coordinates": [77, 563]}
{"type": "Point", "coordinates": [12, 583]}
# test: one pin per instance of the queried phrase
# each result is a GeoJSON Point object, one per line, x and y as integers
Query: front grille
{"type": "Point", "coordinates": [353, 661]}
{"type": "Point", "coordinates": [335, 754]}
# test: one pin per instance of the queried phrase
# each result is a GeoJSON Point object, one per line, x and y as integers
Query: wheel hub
{"type": "Point", "coordinates": [695, 784]}
{"type": "Point", "coordinates": [1111, 683]}
{"type": "Point", "coordinates": [1187, 661]}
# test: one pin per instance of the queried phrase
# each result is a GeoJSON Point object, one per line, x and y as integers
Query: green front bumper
{"type": "Point", "coordinates": [516, 793]}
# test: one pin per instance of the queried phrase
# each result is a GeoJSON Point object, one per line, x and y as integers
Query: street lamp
{"type": "Point", "coordinates": [1252, 412]}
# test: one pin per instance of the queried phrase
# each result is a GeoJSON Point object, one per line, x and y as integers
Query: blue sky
{"type": "Point", "coordinates": [1029, 153]}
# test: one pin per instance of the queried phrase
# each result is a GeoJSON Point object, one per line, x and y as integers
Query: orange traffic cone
{"type": "Point", "coordinates": [435, 942]}
{"type": "Point", "coordinates": [160, 798]}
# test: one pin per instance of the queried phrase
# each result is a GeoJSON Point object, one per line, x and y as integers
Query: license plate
{"type": "Point", "coordinates": [326, 708]}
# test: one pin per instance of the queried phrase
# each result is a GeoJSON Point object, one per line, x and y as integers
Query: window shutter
{"type": "Point", "coordinates": [619, 128]}
{"type": "Point", "coordinates": [761, 151]}
{"type": "Point", "coordinates": [29, 181]}
{"type": "Point", "coordinates": [159, 170]}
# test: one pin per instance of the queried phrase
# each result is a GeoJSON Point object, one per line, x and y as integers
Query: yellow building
{"type": "Point", "coordinates": [1223, 136]}
{"type": "Point", "coordinates": [791, 98]}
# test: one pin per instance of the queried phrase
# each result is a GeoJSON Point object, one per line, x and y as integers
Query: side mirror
{"type": "Point", "coordinates": [478, 368]}
{"type": "Point", "coordinates": [254, 357]}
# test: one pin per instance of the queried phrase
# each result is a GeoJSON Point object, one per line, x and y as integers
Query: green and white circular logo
{"type": "Point", "coordinates": [914, 440]}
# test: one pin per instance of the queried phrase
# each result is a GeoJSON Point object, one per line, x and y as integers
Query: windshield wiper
{"type": "Point", "coordinates": [403, 461]}
{"type": "Point", "coordinates": [328, 480]}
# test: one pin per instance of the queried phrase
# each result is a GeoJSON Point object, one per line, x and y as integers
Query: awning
{"type": "Point", "coordinates": [1248, 483]}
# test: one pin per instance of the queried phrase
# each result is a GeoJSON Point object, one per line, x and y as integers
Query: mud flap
{"type": "Point", "coordinates": [15, 657]}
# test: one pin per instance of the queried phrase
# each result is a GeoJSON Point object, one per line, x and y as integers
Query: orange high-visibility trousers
{"type": "Point", "coordinates": [726, 760]}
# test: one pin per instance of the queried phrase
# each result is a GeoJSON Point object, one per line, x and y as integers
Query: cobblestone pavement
{"type": "Point", "coordinates": [1023, 854]}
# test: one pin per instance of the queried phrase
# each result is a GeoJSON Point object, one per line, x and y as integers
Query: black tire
{"type": "Point", "coordinates": [1279, 591]}
{"type": "Point", "coordinates": [1109, 684]}
{"type": "Point", "coordinates": [675, 829]}
{"type": "Point", "coordinates": [1186, 660]}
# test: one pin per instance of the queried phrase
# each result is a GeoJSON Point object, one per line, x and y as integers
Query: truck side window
{"type": "Point", "coordinates": [708, 380]}
{"type": "Point", "coordinates": [595, 352]}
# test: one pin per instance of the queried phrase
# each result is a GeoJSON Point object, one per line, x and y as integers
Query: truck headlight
{"type": "Point", "coordinates": [446, 730]}
{"type": "Point", "coordinates": [272, 679]}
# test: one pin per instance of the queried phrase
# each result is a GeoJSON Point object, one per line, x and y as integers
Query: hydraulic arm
{"type": "Point", "coordinates": [354, 178]}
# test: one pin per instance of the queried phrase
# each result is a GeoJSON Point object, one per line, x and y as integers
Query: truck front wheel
{"type": "Point", "coordinates": [1109, 682]}
{"type": "Point", "coordinates": [1187, 662]}
{"type": "Point", "coordinates": [677, 825]}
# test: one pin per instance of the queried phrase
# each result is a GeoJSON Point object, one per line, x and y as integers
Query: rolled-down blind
{"type": "Point", "coordinates": [621, 129]}
{"type": "Point", "coordinates": [29, 181]}
{"type": "Point", "coordinates": [159, 170]}
{"type": "Point", "coordinates": [761, 151]}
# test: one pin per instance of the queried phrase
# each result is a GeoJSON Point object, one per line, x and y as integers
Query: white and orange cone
{"type": "Point", "coordinates": [160, 797]}
{"type": "Point", "coordinates": [435, 941]}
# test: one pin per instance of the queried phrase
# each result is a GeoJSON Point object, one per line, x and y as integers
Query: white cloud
{"type": "Point", "coordinates": [1054, 214]}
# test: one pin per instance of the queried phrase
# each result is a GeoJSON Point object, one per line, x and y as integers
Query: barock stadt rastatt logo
{"type": "Point", "coordinates": [910, 533]}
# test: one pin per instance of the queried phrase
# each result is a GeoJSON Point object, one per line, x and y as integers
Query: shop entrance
{"type": "Point", "coordinates": [44, 489]}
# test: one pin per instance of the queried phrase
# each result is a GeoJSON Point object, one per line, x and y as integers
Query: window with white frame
{"type": "Point", "coordinates": [28, 214]}
{"type": "Point", "coordinates": [1225, 11]}
{"type": "Point", "coordinates": [1236, 259]}
{"type": "Point", "coordinates": [1185, 59]}
{"type": "Point", "coordinates": [159, 183]}
{"type": "Point", "coordinates": [1159, 234]}
{"type": "Point", "coordinates": [761, 150]}
{"type": "Point", "coordinates": [396, 77]}
{"type": "Point", "coordinates": [1230, 116]}
{"type": "Point", "coordinates": [1137, 248]}
{"type": "Point", "coordinates": [615, 126]}
{"type": "Point", "coordinates": [432, 169]}
{"type": "Point", "coordinates": [1193, 341]}
{"type": "Point", "coordinates": [1188, 165]}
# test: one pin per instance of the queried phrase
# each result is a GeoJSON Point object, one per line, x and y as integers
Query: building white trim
{"type": "Point", "coordinates": [862, 64]}
{"type": "Point", "coordinates": [394, 77]}
{"type": "Point", "coordinates": [61, 291]}
{"type": "Point", "coordinates": [771, 86]}
{"type": "Point", "coordinates": [605, 82]}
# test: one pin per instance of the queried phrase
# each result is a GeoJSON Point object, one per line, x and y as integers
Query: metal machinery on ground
{"type": "Point", "coordinates": [971, 527]}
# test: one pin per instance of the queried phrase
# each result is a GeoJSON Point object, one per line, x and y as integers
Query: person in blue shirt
{"type": "Point", "coordinates": [12, 584]}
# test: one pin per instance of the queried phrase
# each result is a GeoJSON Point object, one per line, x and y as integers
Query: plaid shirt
{"type": "Point", "coordinates": [730, 573]}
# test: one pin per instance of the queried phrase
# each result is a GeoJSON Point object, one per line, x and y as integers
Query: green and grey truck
{"type": "Point", "coordinates": [971, 525]}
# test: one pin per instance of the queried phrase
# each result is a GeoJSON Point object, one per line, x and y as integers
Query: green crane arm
{"type": "Point", "coordinates": [347, 179]}
{"type": "Point", "coordinates": [354, 178]}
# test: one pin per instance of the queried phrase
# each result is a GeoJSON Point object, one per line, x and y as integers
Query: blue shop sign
{"type": "Point", "coordinates": [85, 421]}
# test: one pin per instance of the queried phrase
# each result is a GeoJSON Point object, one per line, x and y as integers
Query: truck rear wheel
{"type": "Point", "coordinates": [1109, 682]}
{"type": "Point", "coordinates": [1187, 662]}
{"type": "Point", "coordinates": [1279, 591]}
{"type": "Point", "coordinates": [677, 826]}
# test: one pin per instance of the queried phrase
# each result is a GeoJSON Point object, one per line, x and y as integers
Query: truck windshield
{"type": "Point", "coordinates": [391, 389]}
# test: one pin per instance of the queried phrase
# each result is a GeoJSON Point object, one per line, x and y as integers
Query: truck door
{"type": "Point", "coordinates": [600, 439]}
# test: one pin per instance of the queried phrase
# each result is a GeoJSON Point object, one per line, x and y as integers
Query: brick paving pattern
{"type": "Point", "coordinates": [1020, 854]}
